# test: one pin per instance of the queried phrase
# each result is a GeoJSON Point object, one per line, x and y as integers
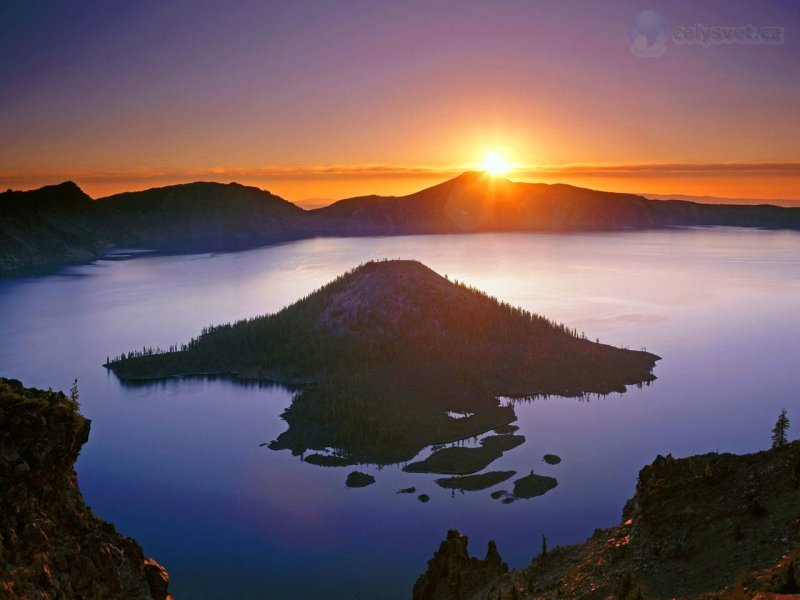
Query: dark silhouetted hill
{"type": "Point", "coordinates": [476, 201]}
{"type": "Point", "coordinates": [55, 224]}
{"type": "Point", "coordinates": [205, 216]}
{"type": "Point", "coordinates": [60, 224]}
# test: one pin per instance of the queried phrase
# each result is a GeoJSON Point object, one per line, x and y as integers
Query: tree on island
{"type": "Point", "coordinates": [779, 431]}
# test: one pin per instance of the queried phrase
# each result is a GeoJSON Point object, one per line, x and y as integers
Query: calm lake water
{"type": "Point", "coordinates": [178, 466]}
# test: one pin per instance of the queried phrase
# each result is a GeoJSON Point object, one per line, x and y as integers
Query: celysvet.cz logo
{"type": "Point", "coordinates": [649, 34]}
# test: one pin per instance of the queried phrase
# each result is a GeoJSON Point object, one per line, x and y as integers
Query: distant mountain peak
{"type": "Point", "coordinates": [66, 187]}
{"type": "Point", "coordinates": [56, 195]}
{"type": "Point", "coordinates": [478, 178]}
{"type": "Point", "coordinates": [69, 184]}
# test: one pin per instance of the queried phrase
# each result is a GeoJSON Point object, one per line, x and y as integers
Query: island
{"type": "Point", "coordinates": [385, 355]}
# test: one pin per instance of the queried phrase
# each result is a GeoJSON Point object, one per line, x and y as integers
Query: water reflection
{"type": "Point", "coordinates": [178, 465]}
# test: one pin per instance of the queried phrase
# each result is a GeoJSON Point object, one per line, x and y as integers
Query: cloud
{"type": "Point", "coordinates": [378, 171]}
{"type": "Point", "coordinates": [229, 173]}
{"type": "Point", "coordinates": [667, 169]}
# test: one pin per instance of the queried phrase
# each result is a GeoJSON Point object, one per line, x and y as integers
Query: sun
{"type": "Point", "coordinates": [495, 163]}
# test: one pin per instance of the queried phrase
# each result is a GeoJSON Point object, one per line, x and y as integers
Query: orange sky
{"type": "Point", "coordinates": [313, 187]}
{"type": "Point", "coordinates": [330, 100]}
{"type": "Point", "coordinates": [320, 185]}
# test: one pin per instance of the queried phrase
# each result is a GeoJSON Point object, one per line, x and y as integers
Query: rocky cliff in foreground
{"type": "Point", "coordinates": [51, 545]}
{"type": "Point", "coordinates": [711, 526]}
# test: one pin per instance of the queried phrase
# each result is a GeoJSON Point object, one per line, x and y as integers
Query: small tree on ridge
{"type": "Point", "coordinates": [74, 397]}
{"type": "Point", "coordinates": [779, 431]}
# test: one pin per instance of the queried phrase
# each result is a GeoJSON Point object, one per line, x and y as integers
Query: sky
{"type": "Point", "coordinates": [330, 99]}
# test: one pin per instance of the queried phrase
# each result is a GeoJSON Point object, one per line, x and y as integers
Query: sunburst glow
{"type": "Point", "coordinates": [495, 163]}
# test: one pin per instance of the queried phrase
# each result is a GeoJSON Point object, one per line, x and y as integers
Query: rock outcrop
{"type": "Point", "coordinates": [51, 545]}
{"type": "Point", "coordinates": [452, 572]}
{"type": "Point", "coordinates": [715, 525]}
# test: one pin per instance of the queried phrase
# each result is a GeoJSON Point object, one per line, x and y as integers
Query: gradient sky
{"type": "Point", "coordinates": [336, 98]}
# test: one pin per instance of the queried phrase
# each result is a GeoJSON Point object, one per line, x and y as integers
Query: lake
{"type": "Point", "coordinates": [180, 467]}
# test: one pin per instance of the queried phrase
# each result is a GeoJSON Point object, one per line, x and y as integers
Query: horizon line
{"type": "Point", "coordinates": [260, 177]}
{"type": "Point", "coordinates": [771, 168]}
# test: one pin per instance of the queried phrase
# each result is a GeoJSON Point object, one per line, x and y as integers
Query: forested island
{"type": "Point", "coordinates": [386, 351]}
{"type": "Point", "coordinates": [60, 224]}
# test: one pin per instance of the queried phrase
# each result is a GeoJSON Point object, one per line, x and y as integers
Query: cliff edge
{"type": "Point", "coordinates": [710, 526]}
{"type": "Point", "coordinates": [51, 545]}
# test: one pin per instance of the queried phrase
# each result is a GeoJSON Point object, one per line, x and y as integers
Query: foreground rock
{"type": "Point", "coordinates": [452, 573]}
{"type": "Point", "coordinates": [51, 545]}
{"type": "Point", "coordinates": [716, 525]}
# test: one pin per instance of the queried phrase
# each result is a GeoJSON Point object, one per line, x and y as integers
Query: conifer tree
{"type": "Point", "coordinates": [779, 431]}
{"type": "Point", "coordinates": [74, 397]}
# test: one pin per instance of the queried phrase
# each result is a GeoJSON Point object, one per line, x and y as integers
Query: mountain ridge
{"type": "Point", "coordinates": [60, 224]}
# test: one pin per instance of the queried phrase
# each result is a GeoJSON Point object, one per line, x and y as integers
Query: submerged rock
{"type": "Point", "coordinates": [408, 490]}
{"type": "Point", "coordinates": [423, 498]}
